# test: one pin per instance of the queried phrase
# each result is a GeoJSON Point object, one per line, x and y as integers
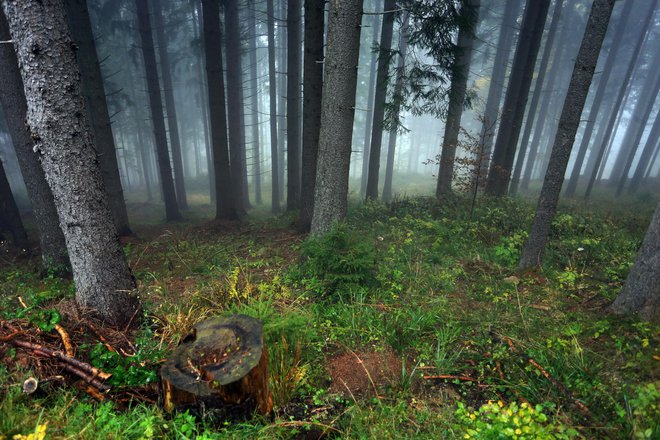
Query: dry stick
{"type": "Point", "coordinates": [451, 377]}
{"type": "Point", "coordinates": [100, 337]}
{"type": "Point", "coordinates": [92, 380]}
{"type": "Point", "coordinates": [11, 336]}
{"type": "Point", "coordinates": [66, 340]}
{"type": "Point", "coordinates": [85, 367]}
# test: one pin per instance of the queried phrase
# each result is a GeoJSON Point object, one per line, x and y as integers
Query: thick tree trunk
{"type": "Point", "coordinates": [234, 102]}
{"type": "Point", "coordinates": [312, 94]}
{"type": "Point", "coordinates": [583, 71]}
{"type": "Point", "coordinates": [170, 107]}
{"type": "Point", "coordinates": [612, 57]}
{"type": "Point", "coordinates": [459, 77]}
{"type": "Point", "coordinates": [97, 110]}
{"type": "Point", "coordinates": [517, 93]}
{"type": "Point", "coordinates": [12, 96]}
{"type": "Point", "coordinates": [254, 103]}
{"type": "Point", "coordinates": [226, 202]}
{"type": "Point", "coordinates": [157, 119]}
{"type": "Point", "coordinates": [293, 106]}
{"type": "Point", "coordinates": [57, 122]}
{"type": "Point", "coordinates": [375, 26]}
{"type": "Point", "coordinates": [641, 292]}
{"type": "Point", "coordinates": [379, 98]}
{"type": "Point", "coordinates": [272, 88]}
{"type": "Point", "coordinates": [538, 92]}
{"type": "Point", "coordinates": [337, 114]}
{"type": "Point", "coordinates": [10, 217]}
{"type": "Point", "coordinates": [398, 86]}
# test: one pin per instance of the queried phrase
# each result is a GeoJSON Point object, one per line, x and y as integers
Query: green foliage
{"type": "Point", "coordinates": [509, 250]}
{"type": "Point", "coordinates": [644, 411]}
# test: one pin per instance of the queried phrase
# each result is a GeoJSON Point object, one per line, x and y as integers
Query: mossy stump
{"type": "Point", "coordinates": [220, 365]}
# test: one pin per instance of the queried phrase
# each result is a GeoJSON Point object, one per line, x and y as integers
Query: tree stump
{"type": "Point", "coordinates": [221, 364]}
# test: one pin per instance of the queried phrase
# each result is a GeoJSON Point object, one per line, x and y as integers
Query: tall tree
{"type": "Point", "coordinates": [583, 72]}
{"type": "Point", "coordinates": [235, 101]}
{"type": "Point", "coordinates": [97, 110]}
{"type": "Point", "coordinates": [337, 113]}
{"type": "Point", "coordinates": [380, 96]}
{"type": "Point", "coordinates": [612, 58]}
{"type": "Point", "coordinates": [157, 119]}
{"type": "Point", "coordinates": [536, 98]}
{"type": "Point", "coordinates": [58, 124]}
{"type": "Point", "coordinates": [12, 96]}
{"type": "Point", "coordinates": [641, 292]}
{"type": "Point", "coordinates": [517, 92]}
{"type": "Point", "coordinates": [375, 26]}
{"type": "Point", "coordinates": [225, 208]}
{"type": "Point", "coordinates": [312, 95]}
{"type": "Point", "coordinates": [170, 107]}
{"type": "Point", "coordinates": [272, 100]}
{"type": "Point", "coordinates": [459, 77]}
{"type": "Point", "coordinates": [398, 87]}
{"type": "Point", "coordinates": [293, 41]}
{"type": "Point", "coordinates": [254, 102]}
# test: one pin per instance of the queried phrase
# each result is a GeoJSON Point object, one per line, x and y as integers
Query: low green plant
{"type": "Point", "coordinates": [644, 411]}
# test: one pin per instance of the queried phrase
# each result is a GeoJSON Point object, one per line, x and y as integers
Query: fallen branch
{"type": "Point", "coordinates": [91, 380]}
{"type": "Point", "coordinates": [10, 337]}
{"type": "Point", "coordinates": [451, 377]}
{"type": "Point", "coordinates": [100, 337]}
{"type": "Point", "coordinates": [66, 340]}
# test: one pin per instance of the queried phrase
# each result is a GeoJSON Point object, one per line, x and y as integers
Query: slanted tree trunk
{"type": "Point", "coordinates": [157, 119]}
{"type": "Point", "coordinates": [226, 202]}
{"type": "Point", "coordinates": [293, 105]}
{"type": "Point", "coordinates": [583, 71]}
{"type": "Point", "coordinates": [12, 96]}
{"type": "Point", "coordinates": [272, 88]}
{"type": "Point", "coordinates": [254, 102]}
{"type": "Point", "coordinates": [641, 292]}
{"type": "Point", "coordinates": [337, 113]}
{"type": "Point", "coordinates": [645, 159]}
{"type": "Point", "coordinates": [10, 217]}
{"type": "Point", "coordinates": [398, 87]}
{"type": "Point", "coordinates": [312, 94]}
{"type": "Point", "coordinates": [234, 101]}
{"type": "Point", "coordinates": [379, 98]}
{"type": "Point", "coordinates": [369, 119]}
{"type": "Point", "coordinates": [170, 107]}
{"type": "Point", "coordinates": [57, 122]}
{"type": "Point", "coordinates": [97, 109]}
{"type": "Point", "coordinates": [517, 92]}
{"type": "Point", "coordinates": [459, 77]}
{"type": "Point", "coordinates": [538, 92]}
{"type": "Point", "coordinates": [612, 58]}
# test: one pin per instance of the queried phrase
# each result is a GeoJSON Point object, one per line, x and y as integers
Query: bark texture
{"type": "Point", "coordinates": [517, 92]}
{"type": "Point", "coordinates": [312, 95]}
{"type": "Point", "coordinates": [337, 113]}
{"type": "Point", "coordinates": [293, 106]}
{"type": "Point", "coordinates": [62, 137]}
{"type": "Point", "coordinates": [272, 88]}
{"type": "Point", "coordinates": [459, 77]}
{"type": "Point", "coordinates": [641, 292]}
{"type": "Point", "coordinates": [12, 96]}
{"type": "Point", "coordinates": [225, 208]}
{"type": "Point", "coordinates": [97, 110]}
{"type": "Point", "coordinates": [254, 103]}
{"type": "Point", "coordinates": [157, 119]}
{"type": "Point", "coordinates": [583, 71]}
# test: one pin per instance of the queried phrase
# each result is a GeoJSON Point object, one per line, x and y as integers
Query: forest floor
{"type": "Point", "coordinates": [408, 321]}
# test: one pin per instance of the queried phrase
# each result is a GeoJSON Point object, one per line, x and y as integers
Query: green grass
{"type": "Point", "coordinates": [430, 282]}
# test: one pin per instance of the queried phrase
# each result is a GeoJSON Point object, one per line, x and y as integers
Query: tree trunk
{"type": "Point", "coordinates": [538, 92]}
{"type": "Point", "coordinates": [254, 103]}
{"type": "Point", "coordinates": [598, 98]}
{"type": "Point", "coordinates": [369, 119]}
{"type": "Point", "coordinates": [57, 122]}
{"type": "Point", "coordinates": [272, 89]}
{"type": "Point", "coordinates": [312, 94]}
{"type": "Point", "coordinates": [398, 86]}
{"type": "Point", "coordinates": [337, 114]}
{"type": "Point", "coordinates": [459, 77]}
{"type": "Point", "coordinates": [517, 92]}
{"type": "Point", "coordinates": [12, 96]}
{"type": "Point", "coordinates": [226, 202]}
{"type": "Point", "coordinates": [293, 106]}
{"type": "Point", "coordinates": [170, 107]}
{"type": "Point", "coordinates": [281, 115]}
{"type": "Point", "coordinates": [641, 292]}
{"type": "Point", "coordinates": [10, 217]}
{"type": "Point", "coordinates": [379, 98]}
{"type": "Point", "coordinates": [583, 71]}
{"type": "Point", "coordinates": [157, 119]}
{"type": "Point", "coordinates": [234, 101]}
{"type": "Point", "coordinates": [645, 160]}
{"type": "Point", "coordinates": [97, 110]}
